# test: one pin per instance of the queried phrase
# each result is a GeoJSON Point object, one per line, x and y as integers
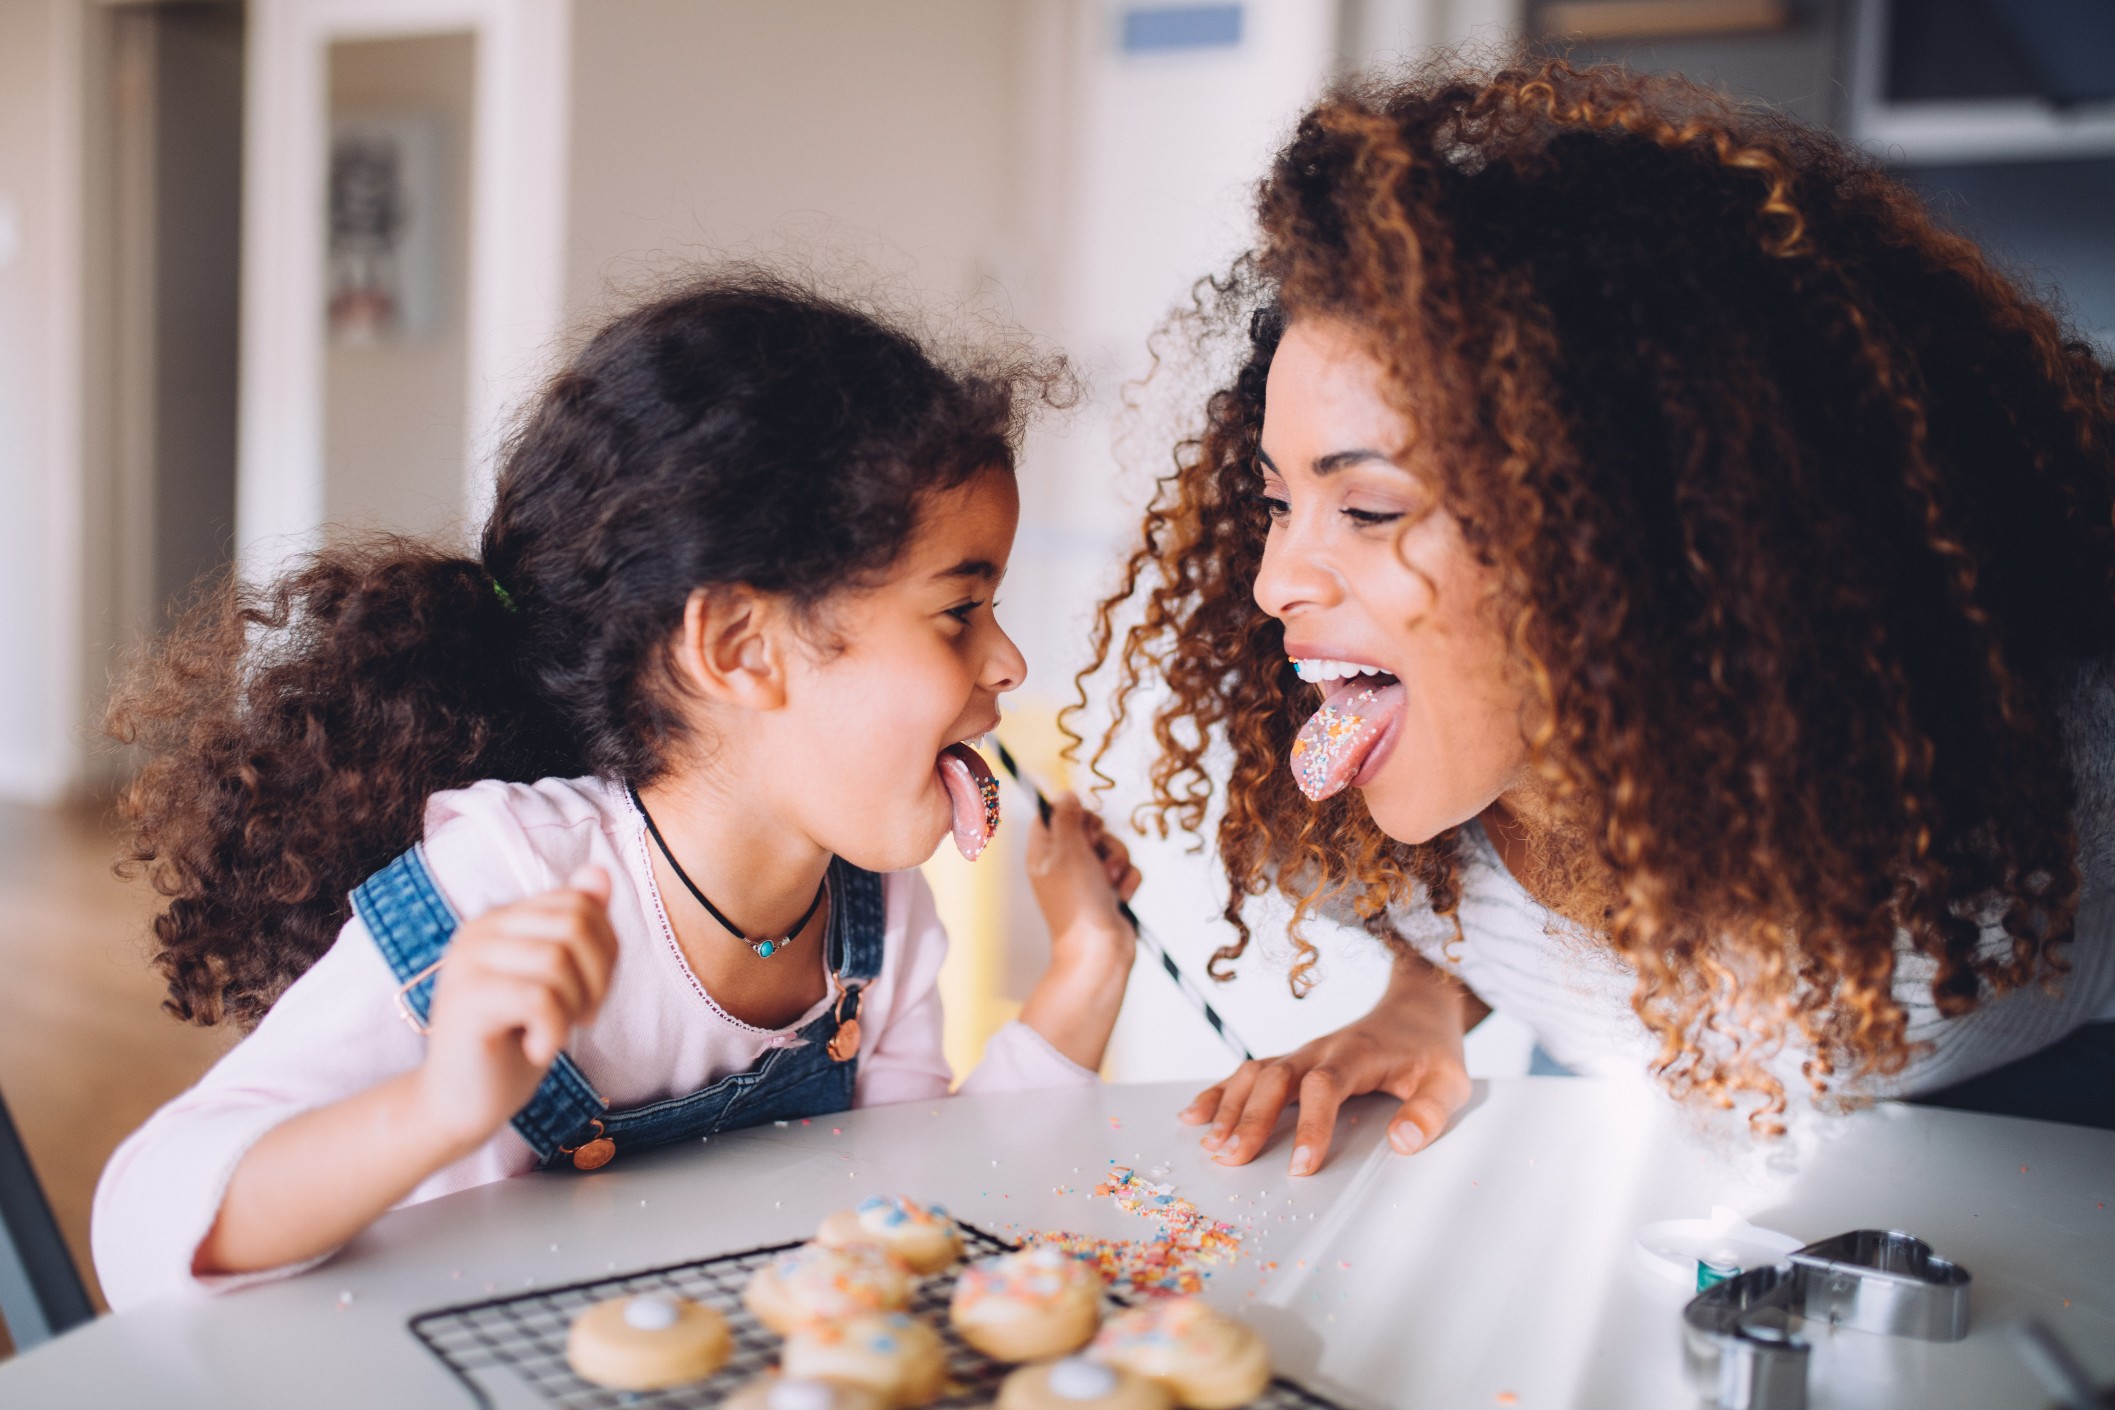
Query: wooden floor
{"type": "Point", "coordinates": [86, 1054]}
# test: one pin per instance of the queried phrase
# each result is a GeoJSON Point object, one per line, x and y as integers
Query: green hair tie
{"type": "Point", "coordinates": [506, 599]}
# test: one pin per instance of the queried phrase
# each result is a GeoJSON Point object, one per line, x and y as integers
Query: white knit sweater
{"type": "Point", "coordinates": [1566, 984]}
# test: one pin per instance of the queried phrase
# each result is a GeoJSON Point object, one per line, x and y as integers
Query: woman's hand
{"type": "Point", "coordinates": [1409, 1046]}
{"type": "Point", "coordinates": [1079, 873]}
{"type": "Point", "coordinates": [517, 981]}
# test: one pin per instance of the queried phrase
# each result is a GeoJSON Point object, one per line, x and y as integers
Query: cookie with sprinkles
{"type": "Point", "coordinates": [922, 1237]}
{"type": "Point", "coordinates": [647, 1342]}
{"type": "Point", "coordinates": [897, 1356]}
{"type": "Point", "coordinates": [1205, 1360]}
{"type": "Point", "coordinates": [817, 1283]}
{"type": "Point", "coordinates": [774, 1392]}
{"type": "Point", "coordinates": [1079, 1384]}
{"type": "Point", "coordinates": [1027, 1306]}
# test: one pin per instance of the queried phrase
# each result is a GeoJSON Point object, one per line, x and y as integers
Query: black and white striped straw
{"type": "Point", "coordinates": [1145, 936]}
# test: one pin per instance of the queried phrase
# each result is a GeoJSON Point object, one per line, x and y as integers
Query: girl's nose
{"type": "Point", "coordinates": [1005, 667]}
{"type": "Point", "coordinates": [1293, 575]}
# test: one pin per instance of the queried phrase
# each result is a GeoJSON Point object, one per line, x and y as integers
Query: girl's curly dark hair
{"type": "Point", "coordinates": [742, 429]}
{"type": "Point", "coordinates": [1800, 513]}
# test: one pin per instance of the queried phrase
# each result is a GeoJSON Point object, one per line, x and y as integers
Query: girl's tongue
{"type": "Point", "coordinates": [973, 794]}
{"type": "Point", "coordinates": [1333, 743]}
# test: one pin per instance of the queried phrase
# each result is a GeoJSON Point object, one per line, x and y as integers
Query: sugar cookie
{"type": "Point", "coordinates": [1027, 1306]}
{"type": "Point", "coordinates": [1079, 1384]}
{"type": "Point", "coordinates": [795, 1393]}
{"type": "Point", "coordinates": [1206, 1361]}
{"type": "Point", "coordinates": [919, 1236]}
{"type": "Point", "coordinates": [647, 1342]}
{"type": "Point", "coordinates": [900, 1358]}
{"type": "Point", "coordinates": [813, 1282]}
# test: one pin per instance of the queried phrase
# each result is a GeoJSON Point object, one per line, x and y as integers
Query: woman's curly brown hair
{"type": "Point", "coordinates": [1800, 512]}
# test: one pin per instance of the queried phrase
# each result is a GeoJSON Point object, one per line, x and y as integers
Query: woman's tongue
{"type": "Point", "coordinates": [1336, 739]}
{"type": "Point", "coordinates": [973, 794]}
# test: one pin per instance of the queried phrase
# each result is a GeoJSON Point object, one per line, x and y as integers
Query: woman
{"type": "Point", "coordinates": [1707, 567]}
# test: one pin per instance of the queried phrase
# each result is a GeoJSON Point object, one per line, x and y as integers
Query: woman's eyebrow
{"type": "Point", "coordinates": [1328, 464]}
{"type": "Point", "coordinates": [1341, 459]}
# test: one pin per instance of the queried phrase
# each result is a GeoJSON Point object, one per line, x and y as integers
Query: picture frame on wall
{"type": "Point", "coordinates": [385, 277]}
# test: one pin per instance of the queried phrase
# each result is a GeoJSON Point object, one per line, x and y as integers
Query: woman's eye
{"type": "Point", "coordinates": [1271, 505]}
{"type": "Point", "coordinates": [1367, 518]}
{"type": "Point", "coordinates": [964, 611]}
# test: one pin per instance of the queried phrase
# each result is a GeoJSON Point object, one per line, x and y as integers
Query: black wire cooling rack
{"type": "Point", "coordinates": [511, 1350]}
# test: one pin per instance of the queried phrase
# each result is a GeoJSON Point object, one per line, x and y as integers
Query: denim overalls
{"type": "Point", "coordinates": [412, 923]}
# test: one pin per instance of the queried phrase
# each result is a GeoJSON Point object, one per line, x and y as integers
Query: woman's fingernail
{"type": "Point", "coordinates": [1303, 1160]}
{"type": "Point", "coordinates": [1406, 1139]}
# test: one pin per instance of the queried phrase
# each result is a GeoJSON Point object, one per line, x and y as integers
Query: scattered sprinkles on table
{"type": "Point", "coordinates": [1165, 1266]}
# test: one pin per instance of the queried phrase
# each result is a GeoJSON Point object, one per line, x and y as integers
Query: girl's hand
{"type": "Point", "coordinates": [1409, 1046]}
{"type": "Point", "coordinates": [1079, 873]}
{"type": "Point", "coordinates": [517, 980]}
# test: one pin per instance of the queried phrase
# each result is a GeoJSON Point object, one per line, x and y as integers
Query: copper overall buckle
{"type": "Point", "coordinates": [844, 1043]}
{"type": "Point", "coordinates": [594, 1153]}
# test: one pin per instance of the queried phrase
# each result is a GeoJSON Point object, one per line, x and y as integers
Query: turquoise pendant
{"type": "Point", "coordinates": [764, 948]}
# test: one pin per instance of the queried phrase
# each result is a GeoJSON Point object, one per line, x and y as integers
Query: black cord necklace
{"type": "Point", "coordinates": [764, 946]}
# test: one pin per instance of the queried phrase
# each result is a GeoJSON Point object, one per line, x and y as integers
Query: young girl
{"type": "Point", "coordinates": [1674, 605]}
{"type": "Point", "coordinates": [651, 770]}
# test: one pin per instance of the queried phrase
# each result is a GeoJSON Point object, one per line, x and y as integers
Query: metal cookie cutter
{"type": "Point", "coordinates": [1737, 1336]}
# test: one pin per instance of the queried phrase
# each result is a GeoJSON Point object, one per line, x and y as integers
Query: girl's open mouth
{"type": "Point", "coordinates": [1333, 747]}
{"type": "Point", "coordinates": [973, 797]}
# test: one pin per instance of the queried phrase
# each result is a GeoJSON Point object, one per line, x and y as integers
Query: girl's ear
{"type": "Point", "coordinates": [728, 648]}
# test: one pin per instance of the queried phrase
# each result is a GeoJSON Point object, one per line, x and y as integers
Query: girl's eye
{"type": "Point", "coordinates": [1368, 518]}
{"type": "Point", "coordinates": [1271, 505]}
{"type": "Point", "coordinates": [964, 611]}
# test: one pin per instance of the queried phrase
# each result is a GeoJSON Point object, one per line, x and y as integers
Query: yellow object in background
{"type": "Point", "coordinates": [975, 898]}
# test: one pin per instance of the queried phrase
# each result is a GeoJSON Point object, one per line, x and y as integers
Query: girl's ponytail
{"type": "Point", "coordinates": [291, 737]}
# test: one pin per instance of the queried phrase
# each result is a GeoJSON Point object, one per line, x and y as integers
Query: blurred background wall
{"type": "Point", "coordinates": [226, 327]}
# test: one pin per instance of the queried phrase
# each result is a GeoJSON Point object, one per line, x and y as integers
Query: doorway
{"type": "Point", "coordinates": [172, 234]}
{"type": "Point", "coordinates": [396, 369]}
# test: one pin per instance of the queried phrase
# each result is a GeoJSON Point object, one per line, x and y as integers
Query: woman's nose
{"type": "Point", "coordinates": [1292, 574]}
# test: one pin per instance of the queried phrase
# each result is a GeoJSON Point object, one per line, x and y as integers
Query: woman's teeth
{"type": "Point", "coordinates": [1317, 669]}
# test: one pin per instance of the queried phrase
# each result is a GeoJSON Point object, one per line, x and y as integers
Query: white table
{"type": "Point", "coordinates": [1501, 1262]}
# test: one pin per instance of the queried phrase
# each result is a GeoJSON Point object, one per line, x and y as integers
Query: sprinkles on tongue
{"type": "Point", "coordinates": [1341, 729]}
{"type": "Point", "coordinates": [1168, 1265]}
{"type": "Point", "coordinates": [1320, 741]}
{"type": "Point", "coordinates": [973, 795]}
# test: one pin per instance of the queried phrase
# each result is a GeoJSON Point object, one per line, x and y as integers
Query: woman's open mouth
{"type": "Point", "coordinates": [972, 796]}
{"type": "Point", "coordinates": [1359, 712]}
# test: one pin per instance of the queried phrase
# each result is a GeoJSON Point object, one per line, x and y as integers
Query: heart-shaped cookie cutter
{"type": "Point", "coordinates": [1737, 1335]}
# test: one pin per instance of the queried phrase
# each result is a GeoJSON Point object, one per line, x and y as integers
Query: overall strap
{"type": "Point", "coordinates": [858, 922]}
{"type": "Point", "coordinates": [412, 923]}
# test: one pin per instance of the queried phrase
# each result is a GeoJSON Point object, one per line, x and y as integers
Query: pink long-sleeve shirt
{"type": "Point", "coordinates": [336, 1030]}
